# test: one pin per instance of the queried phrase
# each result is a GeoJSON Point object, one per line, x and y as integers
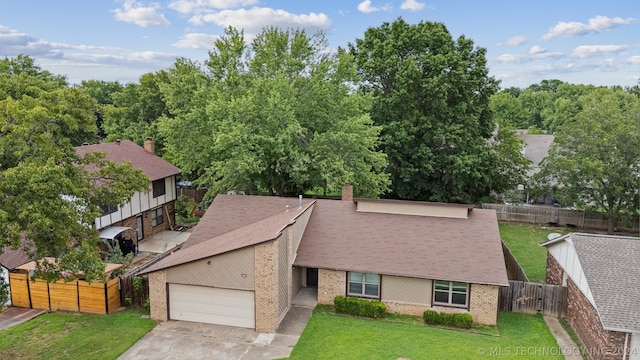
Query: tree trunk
{"type": "Point", "coordinates": [610, 221]}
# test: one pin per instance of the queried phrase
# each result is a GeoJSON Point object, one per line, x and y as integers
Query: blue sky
{"type": "Point", "coordinates": [586, 42]}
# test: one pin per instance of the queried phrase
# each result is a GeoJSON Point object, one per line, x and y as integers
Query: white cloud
{"type": "Point", "coordinates": [514, 41]}
{"type": "Point", "coordinates": [197, 41]}
{"type": "Point", "coordinates": [511, 58]}
{"type": "Point", "coordinates": [136, 13]}
{"type": "Point", "coordinates": [574, 28]}
{"type": "Point", "coordinates": [198, 6]}
{"type": "Point", "coordinates": [253, 20]}
{"type": "Point", "coordinates": [411, 5]}
{"type": "Point", "coordinates": [367, 8]}
{"type": "Point", "coordinates": [585, 51]}
{"type": "Point", "coordinates": [634, 59]}
{"type": "Point", "coordinates": [536, 49]}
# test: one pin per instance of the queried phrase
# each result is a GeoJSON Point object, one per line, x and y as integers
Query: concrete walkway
{"type": "Point", "coordinates": [16, 315]}
{"type": "Point", "coordinates": [569, 349]}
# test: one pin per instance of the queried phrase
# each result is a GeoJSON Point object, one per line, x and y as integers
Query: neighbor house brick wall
{"type": "Point", "coordinates": [483, 303]}
{"type": "Point", "coordinates": [331, 283]}
{"type": "Point", "coordinates": [554, 273]}
{"type": "Point", "coordinates": [266, 287]}
{"type": "Point", "coordinates": [147, 228]}
{"type": "Point", "coordinates": [158, 295]}
{"type": "Point", "coordinates": [600, 344]}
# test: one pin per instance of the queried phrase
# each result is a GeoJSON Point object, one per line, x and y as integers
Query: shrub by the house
{"type": "Point", "coordinates": [460, 320]}
{"type": "Point", "coordinates": [360, 307]}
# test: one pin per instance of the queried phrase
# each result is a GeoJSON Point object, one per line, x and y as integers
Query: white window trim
{"type": "Point", "coordinates": [364, 283]}
{"type": "Point", "coordinates": [450, 292]}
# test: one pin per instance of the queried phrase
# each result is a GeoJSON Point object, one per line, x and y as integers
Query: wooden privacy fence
{"type": "Point", "coordinates": [533, 298]}
{"type": "Point", "coordinates": [514, 270]}
{"type": "Point", "coordinates": [131, 294]}
{"type": "Point", "coordinates": [93, 298]}
{"type": "Point", "coordinates": [192, 193]}
{"type": "Point", "coordinates": [558, 216]}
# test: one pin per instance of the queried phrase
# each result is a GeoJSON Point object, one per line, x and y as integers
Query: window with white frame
{"type": "Point", "coordinates": [450, 293]}
{"type": "Point", "coordinates": [361, 284]}
{"type": "Point", "coordinates": [156, 217]}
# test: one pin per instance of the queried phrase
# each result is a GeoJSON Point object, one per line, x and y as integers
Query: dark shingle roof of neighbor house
{"type": "Point", "coordinates": [611, 266]}
{"type": "Point", "coordinates": [536, 146]}
{"type": "Point", "coordinates": [337, 237]}
{"type": "Point", "coordinates": [11, 259]}
{"type": "Point", "coordinates": [255, 233]}
{"type": "Point", "coordinates": [153, 166]}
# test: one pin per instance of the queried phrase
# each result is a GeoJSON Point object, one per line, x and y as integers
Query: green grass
{"type": "Point", "coordinates": [523, 240]}
{"type": "Point", "coordinates": [331, 336]}
{"type": "Point", "coordinates": [74, 336]}
{"type": "Point", "coordinates": [572, 334]}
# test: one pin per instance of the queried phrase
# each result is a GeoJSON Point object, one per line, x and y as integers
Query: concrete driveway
{"type": "Point", "coordinates": [189, 340]}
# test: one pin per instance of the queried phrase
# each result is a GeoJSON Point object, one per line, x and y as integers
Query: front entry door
{"type": "Point", "coordinates": [312, 277]}
{"type": "Point", "coordinates": [139, 231]}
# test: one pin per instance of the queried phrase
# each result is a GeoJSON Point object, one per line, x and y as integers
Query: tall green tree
{"type": "Point", "coordinates": [103, 92]}
{"type": "Point", "coordinates": [49, 195]}
{"type": "Point", "coordinates": [594, 162]}
{"type": "Point", "coordinates": [136, 110]}
{"type": "Point", "coordinates": [277, 116]}
{"type": "Point", "coordinates": [431, 97]}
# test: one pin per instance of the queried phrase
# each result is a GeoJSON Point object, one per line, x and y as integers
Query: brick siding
{"type": "Point", "coordinates": [598, 343]}
{"type": "Point", "coordinates": [331, 283]}
{"type": "Point", "coordinates": [147, 228]}
{"type": "Point", "coordinates": [266, 287]}
{"type": "Point", "coordinates": [483, 304]}
{"type": "Point", "coordinates": [158, 295]}
{"type": "Point", "coordinates": [400, 307]}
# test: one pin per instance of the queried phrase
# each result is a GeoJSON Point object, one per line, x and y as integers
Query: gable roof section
{"type": "Point", "coordinates": [340, 238]}
{"type": "Point", "coordinates": [255, 233]}
{"type": "Point", "coordinates": [153, 166]}
{"type": "Point", "coordinates": [610, 264]}
{"type": "Point", "coordinates": [230, 212]}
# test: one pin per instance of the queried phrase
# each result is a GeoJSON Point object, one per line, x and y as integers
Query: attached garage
{"type": "Point", "coordinates": [212, 305]}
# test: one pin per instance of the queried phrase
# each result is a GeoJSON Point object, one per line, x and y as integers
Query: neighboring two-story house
{"type": "Point", "coordinates": [147, 213]}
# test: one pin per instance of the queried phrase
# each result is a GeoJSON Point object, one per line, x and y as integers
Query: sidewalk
{"type": "Point", "coordinates": [569, 349]}
{"type": "Point", "coordinates": [16, 315]}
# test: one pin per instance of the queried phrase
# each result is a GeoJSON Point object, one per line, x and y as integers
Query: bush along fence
{"type": "Point", "coordinates": [559, 217]}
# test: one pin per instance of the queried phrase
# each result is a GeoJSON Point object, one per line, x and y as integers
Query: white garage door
{"type": "Point", "coordinates": [635, 347]}
{"type": "Point", "coordinates": [212, 305]}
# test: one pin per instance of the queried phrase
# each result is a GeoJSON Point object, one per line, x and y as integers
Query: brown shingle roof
{"type": "Point", "coordinates": [469, 250]}
{"type": "Point", "coordinates": [610, 264]}
{"type": "Point", "coordinates": [337, 237]}
{"type": "Point", "coordinates": [255, 233]}
{"type": "Point", "coordinates": [153, 166]}
{"type": "Point", "coordinates": [11, 259]}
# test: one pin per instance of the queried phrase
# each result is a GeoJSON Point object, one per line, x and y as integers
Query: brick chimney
{"type": "Point", "coordinates": [149, 145]}
{"type": "Point", "coordinates": [347, 192]}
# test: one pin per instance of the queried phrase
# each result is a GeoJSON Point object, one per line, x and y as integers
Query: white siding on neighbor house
{"type": "Point", "coordinates": [565, 254]}
{"type": "Point", "coordinates": [139, 203]}
{"type": "Point", "coordinates": [406, 289]}
{"type": "Point", "coordinates": [634, 347]}
{"type": "Point", "coordinates": [4, 273]}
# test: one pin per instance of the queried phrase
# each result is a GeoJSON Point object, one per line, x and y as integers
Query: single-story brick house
{"type": "Point", "coordinates": [602, 276]}
{"type": "Point", "coordinates": [250, 255]}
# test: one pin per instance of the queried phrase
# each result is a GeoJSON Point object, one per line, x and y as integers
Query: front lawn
{"type": "Point", "coordinates": [523, 240]}
{"type": "Point", "coordinates": [74, 336]}
{"type": "Point", "coordinates": [331, 336]}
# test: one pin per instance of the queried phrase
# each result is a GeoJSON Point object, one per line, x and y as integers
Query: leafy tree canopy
{"type": "Point", "coordinates": [431, 96]}
{"type": "Point", "coordinates": [277, 116]}
{"type": "Point", "coordinates": [49, 195]}
{"type": "Point", "coordinates": [594, 162]}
